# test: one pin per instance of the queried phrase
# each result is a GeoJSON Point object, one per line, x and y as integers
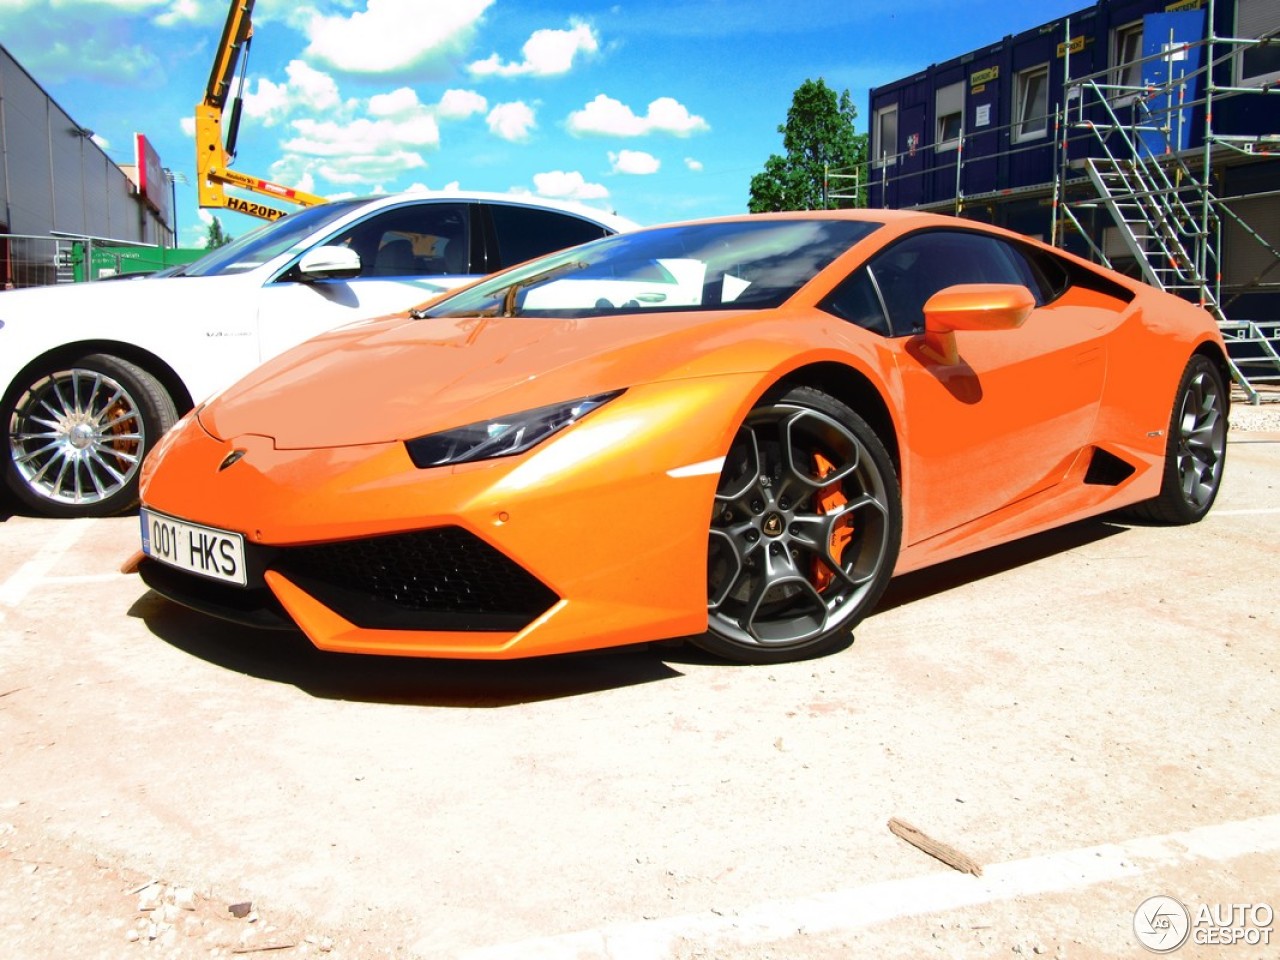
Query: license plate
{"type": "Point", "coordinates": [217, 554]}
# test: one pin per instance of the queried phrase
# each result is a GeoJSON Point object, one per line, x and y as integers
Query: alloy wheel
{"type": "Point", "coordinates": [76, 437]}
{"type": "Point", "coordinates": [801, 532]}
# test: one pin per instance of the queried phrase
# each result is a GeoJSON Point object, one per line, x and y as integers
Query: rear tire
{"type": "Point", "coordinates": [76, 435]}
{"type": "Point", "coordinates": [1195, 451]}
{"type": "Point", "coordinates": [805, 531]}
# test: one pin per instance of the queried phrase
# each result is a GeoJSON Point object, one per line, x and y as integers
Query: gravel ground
{"type": "Point", "coordinates": [1256, 418]}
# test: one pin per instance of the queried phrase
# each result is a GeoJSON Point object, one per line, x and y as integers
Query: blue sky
{"type": "Point", "coordinates": [657, 111]}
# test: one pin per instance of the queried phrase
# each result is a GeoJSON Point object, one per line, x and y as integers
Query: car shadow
{"type": "Point", "coordinates": [284, 656]}
{"type": "Point", "coordinates": [288, 657]}
{"type": "Point", "coordinates": [942, 577]}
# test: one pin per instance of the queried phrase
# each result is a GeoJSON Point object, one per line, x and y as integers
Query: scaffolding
{"type": "Point", "coordinates": [1117, 162]}
{"type": "Point", "coordinates": [1162, 199]}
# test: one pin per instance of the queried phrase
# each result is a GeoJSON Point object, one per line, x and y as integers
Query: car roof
{"type": "Point", "coordinates": [603, 217]}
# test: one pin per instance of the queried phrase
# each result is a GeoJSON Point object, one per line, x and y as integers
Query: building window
{"type": "Point", "coordinates": [886, 145]}
{"type": "Point", "coordinates": [949, 107]}
{"type": "Point", "coordinates": [1257, 65]}
{"type": "Point", "coordinates": [1126, 56]}
{"type": "Point", "coordinates": [1032, 104]}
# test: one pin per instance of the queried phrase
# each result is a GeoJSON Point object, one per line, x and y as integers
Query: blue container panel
{"type": "Point", "coordinates": [985, 114]}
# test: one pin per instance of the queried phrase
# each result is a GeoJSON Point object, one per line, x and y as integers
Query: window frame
{"type": "Point", "coordinates": [941, 101]}
{"type": "Point", "coordinates": [1022, 121]}
{"type": "Point", "coordinates": [881, 159]}
{"type": "Point", "coordinates": [1252, 23]}
{"type": "Point", "coordinates": [1126, 69]}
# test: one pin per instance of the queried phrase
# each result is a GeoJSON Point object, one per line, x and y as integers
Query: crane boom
{"type": "Point", "coordinates": [213, 155]}
{"type": "Point", "coordinates": [235, 37]}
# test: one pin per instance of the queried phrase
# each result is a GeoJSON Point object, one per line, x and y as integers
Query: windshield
{"type": "Point", "coordinates": [268, 241]}
{"type": "Point", "coordinates": [752, 264]}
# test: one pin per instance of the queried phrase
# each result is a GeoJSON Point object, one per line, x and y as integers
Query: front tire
{"type": "Point", "coordinates": [77, 434]}
{"type": "Point", "coordinates": [1195, 451]}
{"type": "Point", "coordinates": [805, 531]}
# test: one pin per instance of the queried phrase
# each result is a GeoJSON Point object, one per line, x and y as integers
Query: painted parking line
{"type": "Point", "coordinates": [854, 909]}
{"type": "Point", "coordinates": [36, 570]}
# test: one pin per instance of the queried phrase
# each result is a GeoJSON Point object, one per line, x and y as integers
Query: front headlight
{"type": "Point", "coordinates": [502, 437]}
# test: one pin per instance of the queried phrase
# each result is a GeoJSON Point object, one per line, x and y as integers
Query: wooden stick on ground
{"type": "Point", "coordinates": [948, 855]}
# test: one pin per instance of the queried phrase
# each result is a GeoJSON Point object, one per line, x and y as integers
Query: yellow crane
{"type": "Point", "coordinates": [213, 154]}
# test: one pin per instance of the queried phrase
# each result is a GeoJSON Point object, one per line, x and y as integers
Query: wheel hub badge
{"type": "Point", "coordinates": [81, 435]}
{"type": "Point", "coordinates": [773, 525]}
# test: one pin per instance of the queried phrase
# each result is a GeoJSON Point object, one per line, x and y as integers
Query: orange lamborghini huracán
{"type": "Point", "coordinates": [735, 431]}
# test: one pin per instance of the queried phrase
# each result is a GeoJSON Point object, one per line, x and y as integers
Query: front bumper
{"type": "Point", "coordinates": [595, 538]}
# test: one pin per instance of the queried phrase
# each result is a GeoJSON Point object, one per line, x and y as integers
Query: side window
{"type": "Point", "coordinates": [422, 240]}
{"type": "Point", "coordinates": [914, 269]}
{"type": "Point", "coordinates": [1042, 273]}
{"type": "Point", "coordinates": [857, 302]}
{"type": "Point", "coordinates": [527, 232]}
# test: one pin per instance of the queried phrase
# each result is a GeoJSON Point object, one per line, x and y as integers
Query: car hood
{"type": "Point", "coordinates": [37, 301]}
{"type": "Point", "coordinates": [113, 300]}
{"type": "Point", "coordinates": [396, 379]}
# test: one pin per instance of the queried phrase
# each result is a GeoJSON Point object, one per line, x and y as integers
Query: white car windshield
{"type": "Point", "coordinates": [741, 264]}
{"type": "Point", "coordinates": [268, 241]}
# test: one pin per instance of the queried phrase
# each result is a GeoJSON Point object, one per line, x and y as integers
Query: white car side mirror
{"type": "Point", "coordinates": [329, 263]}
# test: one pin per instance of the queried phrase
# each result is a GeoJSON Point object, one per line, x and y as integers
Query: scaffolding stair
{"type": "Point", "coordinates": [1163, 231]}
{"type": "Point", "coordinates": [1167, 221]}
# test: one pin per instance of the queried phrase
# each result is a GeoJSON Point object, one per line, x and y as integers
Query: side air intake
{"type": "Point", "coordinates": [1107, 470]}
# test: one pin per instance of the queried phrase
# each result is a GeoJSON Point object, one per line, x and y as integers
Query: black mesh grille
{"type": "Point", "coordinates": [440, 579]}
{"type": "Point", "coordinates": [255, 606]}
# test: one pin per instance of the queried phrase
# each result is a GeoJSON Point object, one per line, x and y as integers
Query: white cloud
{"type": "Point", "coordinates": [397, 103]}
{"type": "Point", "coordinates": [371, 168]}
{"type": "Point", "coordinates": [693, 165]}
{"type": "Point", "coordinates": [547, 53]}
{"type": "Point", "coordinates": [269, 104]}
{"type": "Point", "coordinates": [365, 173]}
{"type": "Point", "coordinates": [634, 162]}
{"type": "Point", "coordinates": [460, 104]}
{"type": "Point", "coordinates": [315, 89]}
{"type": "Point", "coordinates": [181, 11]}
{"type": "Point", "coordinates": [561, 185]}
{"type": "Point", "coordinates": [361, 137]}
{"type": "Point", "coordinates": [304, 89]}
{"type": "Point", "coordinates": [511, 121]}
{"type": "Point", "coordinates": [188, 125]}
{"type": "Point", "coordinates": [394, 36]}
{"type": "Point", "coordinates": [605, 116]}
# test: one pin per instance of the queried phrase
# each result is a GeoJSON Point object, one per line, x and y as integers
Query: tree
{"type": "Point", "coordinates": [819, 137]}
{"type": "Point", "coordinates": [216, 237]}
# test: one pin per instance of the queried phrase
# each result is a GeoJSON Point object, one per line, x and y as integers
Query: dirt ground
{"type": "Point", "coordinates": [1090, 716]}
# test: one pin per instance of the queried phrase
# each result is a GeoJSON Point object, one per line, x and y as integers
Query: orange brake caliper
{"type": "Point", "coordinates": [120, 445]}
{"type": "Point", "coordinates": [827, 499]}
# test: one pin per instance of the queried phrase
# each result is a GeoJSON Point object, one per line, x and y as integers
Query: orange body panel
{"type": "Point", "coordinates": [992, 440]}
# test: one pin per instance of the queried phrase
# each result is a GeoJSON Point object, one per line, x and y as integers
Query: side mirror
{"type": "Point", "coordinates": [329, 263]}
{"type": "Point", "coordinates": [972, 306]}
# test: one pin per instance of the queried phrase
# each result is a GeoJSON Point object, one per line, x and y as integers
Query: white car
{"type": "Point", "coordinates": [92, 374]}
